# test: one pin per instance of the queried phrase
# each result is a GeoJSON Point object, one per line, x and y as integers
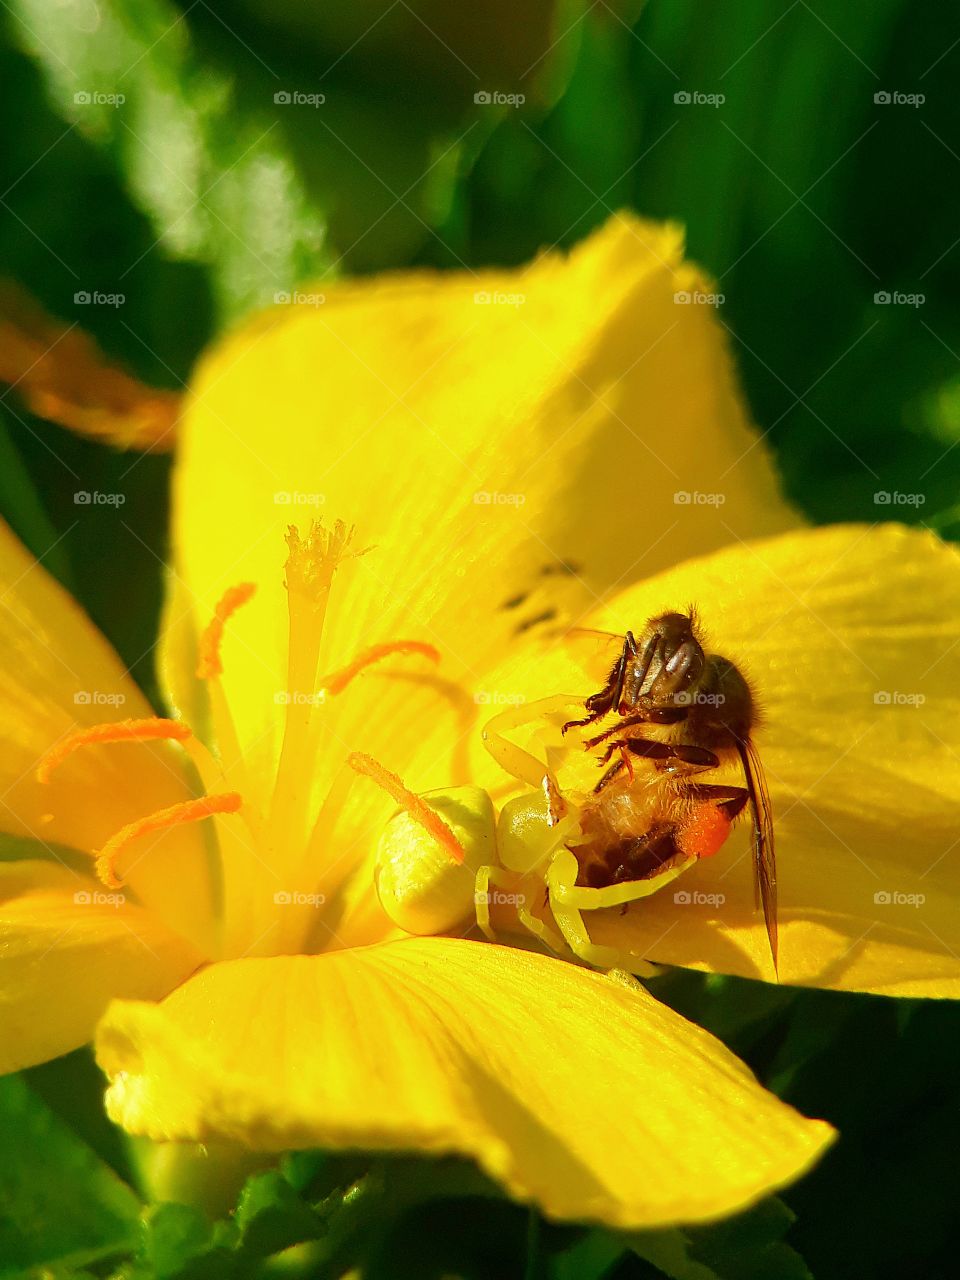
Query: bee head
{"type": "Point", "coordinates": [679, 659]}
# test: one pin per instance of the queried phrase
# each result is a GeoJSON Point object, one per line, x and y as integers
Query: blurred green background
{"type": "Point", "coordinates": [813, 152]}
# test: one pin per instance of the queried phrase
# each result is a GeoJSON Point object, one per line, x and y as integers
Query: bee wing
{"type": "Point", "coordinates": [764, 853]}
{"type": "Point", "coordinates": [595, 652]}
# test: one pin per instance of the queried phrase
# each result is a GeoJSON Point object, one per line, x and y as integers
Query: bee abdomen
{"type": "Point", "coordinates": [637, 858]}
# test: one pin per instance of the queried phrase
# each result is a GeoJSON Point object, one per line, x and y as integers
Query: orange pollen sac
{"type": "Point", "coordinates": [174, 816]}
{"type": "Point", "coordinates": [208, 655]}
{"type": "Point", "coordinates": [117, 731]}
{"type": "Point", "coordinates": [408, 801]}
{"type": "Point", "coordinates": [705, 833]}
{"type": "Point", "coordinates": [338, 680]}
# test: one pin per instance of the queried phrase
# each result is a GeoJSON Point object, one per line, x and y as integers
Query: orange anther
{"type": "Point", "coordinates": [408, 801]}
{"type": "Point", "coordinates": [337, 681]}
{"type": "Point", "coordinates": [208, 653]}
{"type": "Point", "coordinates": [175, 815]}
{"type": "Point", "coordinates": [115, 731]}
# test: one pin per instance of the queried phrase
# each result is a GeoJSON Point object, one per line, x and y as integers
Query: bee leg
{"type": "Point", "coordinates": [628, 723]}
{"type": "Point", "coordinates": [599, 704]}
{"type": "Point", "coordinates": [592, 718]}
{"type": "Point", "coordinates": [669, 751]}
{"type": "Point", "coordinates": [617, 767]}
{"type": "Point", "coordinates": [607, 698]}
{"type": "Point", "coordinates": [732, 800]}
{"type": "Point", "coordinates": [649, 715]}
{"type": "Point", "coordinates": [662, 752]}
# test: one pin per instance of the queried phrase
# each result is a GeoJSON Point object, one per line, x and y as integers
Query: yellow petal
{"type": "Point", "coordinates": [575, 1090]}
{"type": "Point", "coordinates": [58, 674]}
{"type": "Point", "coordinates": [69, 946]}
{"type": "Point", "coordinates": [851, 637]}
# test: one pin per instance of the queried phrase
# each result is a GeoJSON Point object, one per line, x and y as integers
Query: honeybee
{"type": "Point", "coordinates": [687, 712]}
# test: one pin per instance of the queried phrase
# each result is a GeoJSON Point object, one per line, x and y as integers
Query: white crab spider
{"type": "Point", "coordinates": [522, 860]}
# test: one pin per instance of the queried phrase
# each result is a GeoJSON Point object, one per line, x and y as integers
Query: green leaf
{"type": "Point", "coordinates": [72, 1086]}
{"type": "Point", "coordinates": [216, 181]}
{"type": "Point", "coordinates": [736, 1010]}
{"type": "Point", "coordinates": [25, 513]}
{"type": "Point", "coordinates": [304, 1168]}
{"type": "Point", "coordinates": [883, 1201]}
{"type": "Point", "coordinates": [591, 1258]}
{"type": "Point", "coordinates": [179, 1242]}
{"type": "Point", "coordinates": [669, 1252]}
{"type": "Point", "coordinates": [271, 1216]}
{"type": "Point", "coordinates": [59, 1203]}
{"type": "Point", "coordinates": [174, 1234]}
{"type": "Point", "coordinates": [750, 1246]}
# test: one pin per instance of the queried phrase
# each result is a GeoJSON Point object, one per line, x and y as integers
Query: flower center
{"type": "Point", "coordinates": [288, 837]}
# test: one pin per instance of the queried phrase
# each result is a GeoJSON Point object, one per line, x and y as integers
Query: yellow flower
{"type": "Point", "coordinates": [510, 450]}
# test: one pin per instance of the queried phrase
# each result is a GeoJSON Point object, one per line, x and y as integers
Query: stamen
{"type": "Point", "coordinates": [312, 561]}
{"type": "Point", "coordinates": [338, 680]}
{"type": "Point", "coordinates": [208, 655]}
{"type": "Point", "coordinates": [117, 731]}
{"type": "Point", "coordinates": [411, 803]}
{"type": "Point", "coordinates": [175, 815]}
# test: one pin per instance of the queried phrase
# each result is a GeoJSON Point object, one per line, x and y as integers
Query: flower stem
{"type": "Point", "coordinates": [209, 1176]}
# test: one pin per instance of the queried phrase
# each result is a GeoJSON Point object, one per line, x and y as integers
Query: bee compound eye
{"type": "Point", "coordinates": [420, 887]}
{"type": "Point", "coordinates": [686, 662]}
